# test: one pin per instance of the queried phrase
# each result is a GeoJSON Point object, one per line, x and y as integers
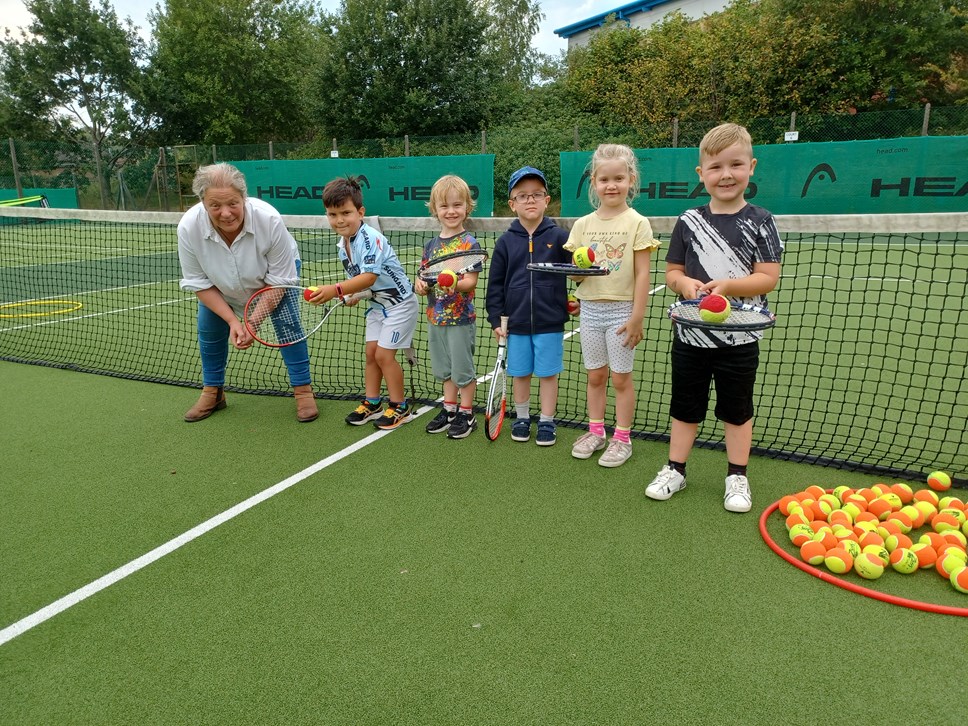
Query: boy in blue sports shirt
{"type": "Point", "coordinates": [536, 303]}
{"type": "Point", "coordinates": [371, 264]}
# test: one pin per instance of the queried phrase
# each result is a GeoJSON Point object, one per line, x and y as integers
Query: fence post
{"type": "Point", "coordinates": [406, 144]}
{"type": "Point", "coordinates": [577, 145]}
{"type": "Point", "coordinates": [793, 121]}
{"type": "Point", "coordinates": [272, 156]}
{"type": "Point", "coordinates": [675, 132]}
{"type": "Point", "coordinates": [334, 154]}
{"type": "Point", "coordinates": [214, 157]}
{"type": "Point", "coordinates": [483, 141]}
{"type": "Point", "coordinates": [927, 117]}
{"type": "Point", "coordinates": [16, 169]}
{"type": "Point", "coordinates": [162, 170]}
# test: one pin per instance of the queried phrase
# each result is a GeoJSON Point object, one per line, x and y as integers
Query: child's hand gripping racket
{"type": "Point", "coordinates": [715, 312]}
{"type": "Point", "coordinates": [497, 393]}
{"type": "Point", "coordinates": [280, 315]}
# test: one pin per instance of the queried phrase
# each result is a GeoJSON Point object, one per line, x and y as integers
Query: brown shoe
{"type": "Point", "coordinates": [306, 410]}
{"type": "Point", "coordinates": [211, 400]}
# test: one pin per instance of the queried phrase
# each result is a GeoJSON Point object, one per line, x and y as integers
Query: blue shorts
{"type": "Point", "coordinates": [541, 355]}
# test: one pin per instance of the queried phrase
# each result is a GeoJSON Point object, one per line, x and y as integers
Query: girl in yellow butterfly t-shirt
{"type": "Point", "coordinates": [613, 305]}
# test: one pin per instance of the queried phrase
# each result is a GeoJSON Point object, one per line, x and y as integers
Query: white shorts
{"type": "Point", "coordinates": [392, 328]}
{"type": "Point", "coordinates": [601, 345]}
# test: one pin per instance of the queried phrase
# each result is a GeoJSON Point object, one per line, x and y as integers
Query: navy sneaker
{"type": "Point", "coordinates": [547, 434]}
{"type": "Point", "coordinates": [521, 429]}
{"type": "Point", "coordinates": [441, 422]}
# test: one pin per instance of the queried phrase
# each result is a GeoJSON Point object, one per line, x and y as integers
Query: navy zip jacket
{"type": "Point", "coordinates": [535, 302]}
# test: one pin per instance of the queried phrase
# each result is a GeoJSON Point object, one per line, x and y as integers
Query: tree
{"type": "Point", "coordinates": [76, 65]}
{"type": "Point", "coordinates": [232, 71]}
{"type": "Point", "coordinates": [407, 66]}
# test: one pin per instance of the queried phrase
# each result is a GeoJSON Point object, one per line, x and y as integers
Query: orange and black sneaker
{"type": "Point", "coordinates": [366, 411]}
{"type": "Point", "coordinates": [395, 414]}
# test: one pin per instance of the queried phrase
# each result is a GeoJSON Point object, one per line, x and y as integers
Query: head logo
{"type": "Point", "coordinates": [820, 171]}
{"type": "Point", "coordinates": [581, 182]}
{"type": "Point", "coordinates": [363, 181]}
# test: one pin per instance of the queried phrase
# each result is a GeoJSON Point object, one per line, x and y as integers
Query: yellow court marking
{"type": "Point", "coordinates": [66, 306]}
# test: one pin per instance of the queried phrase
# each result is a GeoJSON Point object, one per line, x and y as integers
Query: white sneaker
{"type": "Point", "coordinates": [617, 453]}
{"type": "Point", "coordinates": [666, 483]}
{"type": "Point", "coordinates": [587, 444]}
{"type": "Point", "coordinates": [737, 497]}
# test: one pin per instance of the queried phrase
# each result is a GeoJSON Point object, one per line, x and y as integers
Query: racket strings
{"type": "Point", "coordinates": [287, 322]}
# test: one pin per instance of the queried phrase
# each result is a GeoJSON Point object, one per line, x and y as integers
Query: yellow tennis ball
{"type": "Point", "coordinates": [852, 547]}
{"type": "Point", "coordinates": [838, 560]}
{"type": "Point", "coordinates": [308, 292]}
{"type": "Point", "coordinates": [959, 579]}
{"type": "Point", "coordinates": [584, 257]}
{"type": "Point", "coordinates": [939, 481]}
{"type": "Point", "coordinates": [868, 566]}
{"type": "Point", "coordinates": [904, 560]}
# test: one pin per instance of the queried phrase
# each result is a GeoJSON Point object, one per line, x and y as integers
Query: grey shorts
{"type": "Point", "coordinates": [452, 352]}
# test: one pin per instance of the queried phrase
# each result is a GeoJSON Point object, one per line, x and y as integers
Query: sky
{"type": "Point", "coordinates": [558, 14]}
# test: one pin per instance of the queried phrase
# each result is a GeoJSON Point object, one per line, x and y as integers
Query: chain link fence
{"type": "Point", "coordinates": [159, 178]}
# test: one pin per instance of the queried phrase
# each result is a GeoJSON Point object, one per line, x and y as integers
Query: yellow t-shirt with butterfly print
{"type": "Point", "coordinates": [614, 242]}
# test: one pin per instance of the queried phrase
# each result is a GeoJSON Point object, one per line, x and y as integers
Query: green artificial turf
{"type": "Point", "coordinates": [419, 580]}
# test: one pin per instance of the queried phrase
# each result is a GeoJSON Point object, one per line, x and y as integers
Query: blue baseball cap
{"type": "Point", "coordinates": [522, 173]}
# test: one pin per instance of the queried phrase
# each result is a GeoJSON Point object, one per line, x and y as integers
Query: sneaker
{"type": "Point", "coordinates": [521, 429]}
{"type": "Point", "coordinates": [666, 483]}
{"type": "Point", "coordinates": [363, 413]}
{"type": "Point", "coordinates": [442, 421]}
{"type": "Point", "coordinates": [547, 434]}
{"type": "Point", "coordinates": [462, 426]}
{"type": "Point", "coordinates": [587, 444]}
{"type": "Point", "coordinates": [737, 497]}
{"type": "Point", "coordinates": [617, 453]}
{"type": "Point", "coordinates": [393, 417]}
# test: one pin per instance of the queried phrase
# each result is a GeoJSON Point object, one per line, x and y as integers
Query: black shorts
{"type": "Point", "coordinates": [734, 371]}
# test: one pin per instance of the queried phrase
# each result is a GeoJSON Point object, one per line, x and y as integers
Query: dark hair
{"type": "Point", "coordinates": [341, 189]}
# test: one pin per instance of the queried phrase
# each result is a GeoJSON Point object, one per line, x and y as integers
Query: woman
{"type": "Point", "coordinates": [229, 246]}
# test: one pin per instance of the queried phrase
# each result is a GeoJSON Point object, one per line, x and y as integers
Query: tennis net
{"type": "Point", "coordinates": [865, 368]}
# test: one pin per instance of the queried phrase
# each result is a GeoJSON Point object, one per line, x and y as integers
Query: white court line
{"type": "Point", "coordinates": [58, 606]}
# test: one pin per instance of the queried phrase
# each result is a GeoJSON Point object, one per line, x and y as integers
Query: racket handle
{"type": "Point", "coordinates": [504, 326]}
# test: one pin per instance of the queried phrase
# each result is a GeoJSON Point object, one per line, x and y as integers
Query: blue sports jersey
{"type": "Point", "coordinates": [371, 252]}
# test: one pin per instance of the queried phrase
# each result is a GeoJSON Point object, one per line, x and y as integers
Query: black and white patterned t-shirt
{"type": "Point", "coordinates": [723, 246]}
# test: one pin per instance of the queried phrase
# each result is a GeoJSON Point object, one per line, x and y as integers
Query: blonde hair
{"type": "Point", "coordinates": [613, 152]}
{"type": "Point", "coordinates": [443, 187]}
{"type": "Point", "coordinates": [218, 176]}
{"type": "Point", "coordinates": [724, 136]}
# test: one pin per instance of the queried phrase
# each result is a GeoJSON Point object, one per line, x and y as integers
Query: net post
{"type": "Point", "coordinates": [16, 169]}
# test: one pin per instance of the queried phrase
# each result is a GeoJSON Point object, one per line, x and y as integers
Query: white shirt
{"type": "Point", "coordinates": [264, 253]}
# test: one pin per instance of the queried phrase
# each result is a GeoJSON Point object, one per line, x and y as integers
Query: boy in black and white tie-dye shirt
{"type": "Point", "coordinates": [732, 248]}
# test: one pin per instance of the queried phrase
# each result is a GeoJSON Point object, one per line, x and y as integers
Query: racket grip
{"type": "Point", "coordinates": [504, 325]}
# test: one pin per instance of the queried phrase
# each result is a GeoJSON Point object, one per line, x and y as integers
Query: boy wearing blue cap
{"type": "Point", "coordinates": [535, 303]}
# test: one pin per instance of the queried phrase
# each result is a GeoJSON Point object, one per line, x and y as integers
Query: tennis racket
{"type": "Point", "coordinates": [742, 318]}
{"type": "Point", "coordinates": [280, 315]}
{"type": "Point", "coordinates": [497, 401]}
{"type": "Point", "coordinates": [458, 262]}
{"type": "Point", "coordinates": [566, 268]}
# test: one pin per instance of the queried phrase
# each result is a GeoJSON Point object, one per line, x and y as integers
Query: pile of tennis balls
{"type": "Point", "coordinates": [871, 529]}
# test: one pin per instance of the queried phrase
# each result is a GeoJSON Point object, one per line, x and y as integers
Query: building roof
{"type": "Point", "coordinates": [596, 21]}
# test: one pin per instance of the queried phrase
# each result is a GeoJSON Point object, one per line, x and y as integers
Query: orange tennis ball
{"type": "Point", "coordinates": [926, 495]}
{"type": "Point", "coordinates": [714, 308]}
{"type": "Point", "coordinates": [308, 292]}
{"type": "Point", "coordinates": [926, 555]}
{"type": "Point", "coordinates": [583, 257]}
{"type": "Point", "coordinates": [879, 552]}
{"type": "Point", "coordinates": [939, 481]}
{"type": "Point", "coordinates": [800, 533]}
{"type": "Point", "coordinates": [853, 549]}
{"type": "Point", "coordinates": [814, 491]}
{"type": "Point", "coordinates": [447, 279]}
{"type": "Point", "coordinates": [949, 561]}
{"type": "Point", "coordinates": [574, 307]}
{"type": "Point", "coordinates": [813, 552]}
{"type": "Point", "coordinates": [905, 492]}
{"type": "Point", "coordinates": [943, 521]}
{"type": "Point", "coordinates": [880, 508]}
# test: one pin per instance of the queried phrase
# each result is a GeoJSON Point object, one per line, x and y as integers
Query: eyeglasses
{"type": "Point", "coordinates": [522, 198]}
